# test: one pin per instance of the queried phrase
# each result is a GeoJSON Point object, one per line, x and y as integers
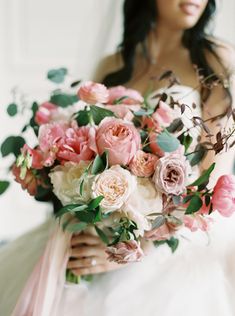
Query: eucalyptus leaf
{"type": "Point", "coordinates": [173, 243]}
{"type": "Point", "coordinates": [63, 99]}
{"type": "Point", "coordinates": [4, 186]}
{"type": "Point", "coordinates": [143, 112]}
{"type": "Point", "coordinates": [167, 142]}
{"type": "Point", "coordinates": [12, 109]}
{"type": "Point", "coordinates": [57, 75]}
{"type": "Point", "coordinates": [158, 222]}
{"type": "Point", "coordinates": [82, 117]}
{"type": "Point", "coordinates": [12, 145]}
{"type": "Point", "coordinates": [198, 155]}
{"type": "Point", "coordinates": [98, 113]}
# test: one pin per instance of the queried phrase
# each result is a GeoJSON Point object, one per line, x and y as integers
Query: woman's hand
{"type": "Point", "coordinates": [88, 255]}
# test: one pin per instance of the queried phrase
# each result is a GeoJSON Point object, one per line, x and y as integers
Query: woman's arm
{"type": "Point", "coordinates": [217, 104]}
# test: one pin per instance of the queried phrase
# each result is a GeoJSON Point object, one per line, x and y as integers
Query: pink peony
{"type": "Point", "coordinates": [197, 221]}
{"type": "Point", "coordinates": [92, 93]}
{"type": "Point", "coordinates": [45, 112]}
{"type": "Point", "coordinates": [223, 198]}
{"type": "Point", "coordinates": [125, 252]}
{"type": "Point", "coordinates": [171, 173]}
{"type": "Point", "coordinates": [164, 115]}
{"type": "Point", "coordinates": [29, 182]}
{"type": "Point", "coordinates": [143, 164]}
{"type": "Point", "coordinates": [121, 140]}
{"type": "Point", "coordinates": [133, 96]}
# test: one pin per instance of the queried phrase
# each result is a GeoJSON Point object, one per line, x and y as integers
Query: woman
{"type": "Point", "coordinates": [158, 35]}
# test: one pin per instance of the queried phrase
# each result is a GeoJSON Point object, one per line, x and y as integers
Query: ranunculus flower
{"type": "Point", "coordinates": [115, 185]}
{"type": "Point", "coordinates": [29, 182]}
{"type": "Point", "coordinates": [125, 252]}
{"type": "Point", "coordinates": [223, 198]}
{"type": "Point", "coordinates": [171, 173]}
{"type": "Point", "coordinates": [143, 164]}
{"type": "Point", "coordinates": [67, 181]}
{"type": "Point", "coordinates": [133, 96]}
{"type": "Point", "coordinates": [197, 221]}
{"type": "Point", "coordinates": [36, 156]}
{"type": "Point", "coordinates": [164, 115]}
{"type": "Point", "coordinates": [45, 112]}
{"type": "Point", "coordinates": [92, 93]}
{"type": "Point", "coordinates": [121, 140]}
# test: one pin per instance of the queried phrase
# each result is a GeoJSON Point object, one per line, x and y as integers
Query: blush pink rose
{"type": "Point", "coordinates": [164, 115]}
{"type": "Point", "coordinates": [92, 93]}
{"type": "Point", "coordinates": [123, 111]}
{"type": "Point", "coordinates": [223, 198]}
{"type": "Point", "coordinates": [133, 96]}
{"type": "Point", "coordinates": [196, 221]}
{"type": "Point", "coordinates": [120, 138]}
{"type": "Point", "coordinates": [171, 173]}
{"type": "Point", "coordinates": [143, 164]}
{"type": "Point", "coordinates": [45, 112]}
{"type": "Point", "coordinates": [125, 252]}
{"type": "Point", "coordinates": [29, 182]}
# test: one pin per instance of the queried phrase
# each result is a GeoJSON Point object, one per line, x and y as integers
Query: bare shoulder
{"type": "Point", "coordinates": [107, 65]}
{"type": "Point", "coordinates": [226, 54]}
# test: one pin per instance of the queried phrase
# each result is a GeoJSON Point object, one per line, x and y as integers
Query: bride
{"type": "Point", "coordinates": [199, 278]}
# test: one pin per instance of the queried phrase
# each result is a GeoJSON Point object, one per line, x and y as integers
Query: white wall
{"type": "Point", "coordinates": [39, 35]}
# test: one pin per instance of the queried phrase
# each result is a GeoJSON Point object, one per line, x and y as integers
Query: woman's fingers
{"type": "Point", "coordinates": [88, 251]}
{"type": "Point", "coordinates": [91, 270]}
{"type": "Point", "coordinates": [85, 262]}
{"type": "Point", "coordinates": [85, 239]}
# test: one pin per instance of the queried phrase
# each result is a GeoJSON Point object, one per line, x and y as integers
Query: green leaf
{"type": "Point", "coordinates": [12, 145]}
{"type": "Point", "coordinates": [82, 117]}
{"type": "Point", "coordinates": [80, 208]}
{"type": "Point", "coordinates": [98, 165]}
{"type": "Point", "coordinates": [98, 113]}
{"type": "Point", "coordinates": [4, 186]}
{"type": "Point", "coordinates": [12, 109]}
{"type": "Point", "coordinates": [185, 140]}
{"type": "Point", "coordinates": [63, 99]}
{"type": "Point", "coordinates": [176, 125]}
{"type": "Point", "coordinates": [66, 209]}
{"type": "Point", "coordinates": [76, 227]}
{"type": "Point", "coordinates": [143, 112]}
{"type": "Point", "coordinates": [198, 155]}
{"type": "Point", "coordinates": [102, 235]}
{"type": "Point", "coordinates": [194, 205]}
{"type": "Point", "coordinates": [95, 202]}
{"type": "Point", "coordinates": [173, 243]}
{"type": "Point", "coordinates": [57, 75]}
{"type": "Point", "coordinates": [72, 278]}
{"type": "Point", "coordinates": [85, 216]}
{"type": "Point", "coordinates": [167, 142]}
{"type": "Point", "coordinates": [158, 222]}
{"type": "Point", "coordinates": [204, 177]}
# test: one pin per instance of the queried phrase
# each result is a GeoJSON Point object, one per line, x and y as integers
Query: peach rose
{"type": "Point", "coordinates": [121, 140]}
{"type": "Point", "coordinates": [45, 112]}
{"type": "Point", "coordinates": [115, 185]}
{"type": "Point", "coordinates": [133, 96]}
{"type": "Point", "coordinates": [223, 198]}
{"type": "Point", "coordinates": [92, 93]}
{"type": "Point", "coordinates": [143, 164]}
{"type": "Point", "coordinates": [125, 252]}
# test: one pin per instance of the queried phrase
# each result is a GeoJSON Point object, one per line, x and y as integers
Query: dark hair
{"type": "Point", "coordinates": [139, 17]}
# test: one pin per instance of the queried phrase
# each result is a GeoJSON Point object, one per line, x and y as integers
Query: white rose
{"type": "Point", "coordinates": [115, 184]}
{"type": "Point", "coordinates": [67, 181]}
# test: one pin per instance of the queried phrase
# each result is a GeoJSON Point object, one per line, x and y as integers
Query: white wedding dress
{"type": "Point", "coordinates": [197, 280]}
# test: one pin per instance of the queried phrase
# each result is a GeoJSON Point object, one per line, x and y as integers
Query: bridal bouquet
{"type": "Point", "coordinates": [124, 167]}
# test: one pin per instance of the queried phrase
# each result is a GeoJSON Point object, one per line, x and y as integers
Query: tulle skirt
{"type": "Point", "coordinates": [197, 280]}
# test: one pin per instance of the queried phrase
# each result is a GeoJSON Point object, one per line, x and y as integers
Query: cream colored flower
{"type": "Point", "coordinates": [115, 184]}
{"type": "Point", "coordinates": [67, 181]}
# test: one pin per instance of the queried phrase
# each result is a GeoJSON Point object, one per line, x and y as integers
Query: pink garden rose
{"type": "Point", "coordinates": [143, 164]}
{"type": "Point", "coordinates": [196, 221]}
{"type": "Point", "coordinates": [164, 115]}
{"type": "Point", "coordinates": [65, 143]}
{"type": "Point", "coordinates": [133, 96]}
{"type": "Point", "coordinates": [223, 198]}
{"type": "Point", "coordinates": [92, 93]}
{"type": "Point", "coordinates": [125, 252]}
{"type": "Point", "coordinates": [121, 140]}
{"type": "Point", "coordinates": [123, 111]}
{"type": "Point", "coordinates": [171, 173]}
{"type": "Point", "coordinates": [45, 112]}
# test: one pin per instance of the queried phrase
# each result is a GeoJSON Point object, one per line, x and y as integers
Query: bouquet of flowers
{"type": "Point", "coordinates": [122, 165]}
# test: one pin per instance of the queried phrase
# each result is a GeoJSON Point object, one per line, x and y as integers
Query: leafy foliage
{"type": "Point", "coordinates": [3, 186]}
{"type": "Point", "coordinates": [12, 145]}
{"type": "Point", "coordinates": [57, 75]}
{"type": "Point", "coordinates": [12, 109]}
{"type": "Point", "coordinates": [167, 142]}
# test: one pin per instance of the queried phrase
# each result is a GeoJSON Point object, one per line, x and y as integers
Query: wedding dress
{"type": "Point", "coordinates": [197, 280]}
